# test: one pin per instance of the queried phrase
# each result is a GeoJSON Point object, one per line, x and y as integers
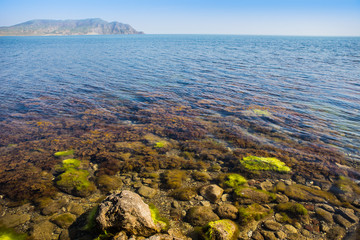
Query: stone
{"type": "Point", "coordinates": [227, 211]}
{"type": "Point", "coordinates": [205, 203]}
{"type": "Point", "coordinates": [221, 230]}
{"type": "Point", "coordinates": [200, 215]}
{"type": "Point", "coordinates": [325, 227]}
{"type": "Point", "coordinates": [290, 229]}
{"type": "Point", "coordinates": [269, 235]}
{"type": "Point", "coordinates": [126, 211]}
{"type": "Point", "coordinates": [225, 197]}
{"type": "Point", "coordinates": [266, 186]}
{"type": "Point", "coordinates": [147, 192]}
{"type": "Point", "coordinates": [342, 221]}
{"type": "Point", "coordinates": [336, 233]}
{"type": "Point", "coordinates": [272, 225]}
{"type": "Point", "coordinates": [280, 187]}
{"type": "Point", "coordinates": [63, 220]}
{"type": "Point", "coordinates": [326, 207]}
{"type": "Point", "coordinates": [251, 195]}
{"type": "Point", "coordinates": [257, 236]}
{"type": "Point", "coordinates": [120, 236]}
{"type": "Point", "coordinates": [348, 214]}
{"type": "Point", "coordinates": [281, 235]}
{"type": "Point", "coordinates": [281, 198]}
{"type": "Point", "coordinates": [160, 237]}
{"type": "Point", "coordinates": [324, 215]}
{"type": "Point", "coordinates": [75, 208]}
{"type": "Point", "coordinates": [42, 231]}
{"type": "Point", "coordinates": [212, 192]}
{"type": "Point", "coordinates": [13, 220]}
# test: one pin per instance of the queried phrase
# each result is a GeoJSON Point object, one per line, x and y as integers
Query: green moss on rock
{"type": "Point", "coordinates": [64, 153]}
{"type": "Point", "coordinates": [10, 234]}
{"type": "Point", "coordinates": [234, 180]}
{"type": "Point", "coordinates": [254, 163]}
{"type": "Point", "coordinates": [75, 181]}
{"type": "Point", "coordinates": [157, 218]}
{"type": "Point", "coordinates": [90, 219]}
{"type": "Point", "coordinates": [292, 208]}
{"type": "Point", "coordinates": [70, 163]}
{"type": "Point", "coordinates": [224, 229]}
{"type": "Point", "coordinates": [253, 212]}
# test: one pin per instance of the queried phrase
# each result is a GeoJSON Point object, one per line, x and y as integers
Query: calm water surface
{"type": "Point", "coordinates": [312, 81]}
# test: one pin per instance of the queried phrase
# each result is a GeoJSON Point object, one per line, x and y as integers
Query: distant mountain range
{"type": "Point", "coordinates": [92, 26]}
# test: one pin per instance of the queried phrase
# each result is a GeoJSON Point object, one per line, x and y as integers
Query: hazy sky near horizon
{"type": "Point", "coordinates": [264, 17]}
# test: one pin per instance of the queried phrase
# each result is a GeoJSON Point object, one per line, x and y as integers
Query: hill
{"type": "Point", "coordinates": [93, 26]}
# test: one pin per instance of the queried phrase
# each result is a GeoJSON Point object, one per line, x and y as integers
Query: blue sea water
{"type": "Point", "coordinates": [314, 80]}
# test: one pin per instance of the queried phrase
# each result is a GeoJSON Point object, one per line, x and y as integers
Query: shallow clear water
{"type": "Point", "coordinates": [311, 81]}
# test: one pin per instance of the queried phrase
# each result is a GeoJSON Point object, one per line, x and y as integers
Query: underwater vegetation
{"type": "Point", "coordinates": [64, 153]}
{"type": "Point", "coordinates": [264, 164]}
{"type": "Point", "coordinates": [9, 234]}
{"type": "Point", "coordinates": [158, 219]}
{"type": "Point", "coordinates": [234, 180]}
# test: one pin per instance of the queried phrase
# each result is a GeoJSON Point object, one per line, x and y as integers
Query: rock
{"type": "Point", "coordinates": [147, 192]}
{"type": "Point", "coordinates": [281, 198]}
{"type": "Point", "coordinates": [13, 220]}
{"type": "Point", "coordinates": [251, 195]}
{"type": "Point", "coordinates": [342, 221]}
{"type": "Point", "coordinates": [269, 235]}
{"type": "Point", "coordinates": [225, 197]}
{"type": "Point", "coordinates": [326, 207]}
{"type": "Point", "coordinates": [42, 231]}
{"type": "Point", "coordinates": [324, 227]}
{"type": "Point", "coordinates": [280, 187]}
{"type": "Point", "coordinates": [257, 236]}
{"type": "Point", "coordinates": [64, 235]}
{"type": "Point", "coordinates": [324, 215]}
{"type": "Point", "coordinates": [221, 230]}
{"type": "Point", "coordinates": [336, 233]}
{"type": "Point", "coordinates": [75, 208]}
{"type": "Point", "coordinates": [63, 220]}
{"type": "Point", "coordinates": [212, 192]}
{"type": "Point", "coordinates": [205, 203]}
{"type": "Point", "coordinates": [290, 229]}
{"type": "Point", "coordinates": [281, 235]}
{"type": "Point", "coordinates": [200, 215]}
{"type": "Point", "coordinates": [266, 186]}
{"type": "Point", "coordinates": [126, 211]}
{"type": "Point", "coordinates": [272, 225]}
{"type": "Point", "coordinates": [160, 237]}
{"type": "Point", "coordinates": [228, 211]}
{"type": "Point", "coordinates": [120, 236]}
{"type": "Point", "coordinates": [348, 214]}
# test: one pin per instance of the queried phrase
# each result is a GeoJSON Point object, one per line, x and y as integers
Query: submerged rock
{"type": "Point", "coordinates": [221, 230]}
{"type": "Point", "coordinates": [200, 215]}
{"type": "Point", "coordinates": [212, 192]}
{"type": "Point", "coordinates": [126, 211]}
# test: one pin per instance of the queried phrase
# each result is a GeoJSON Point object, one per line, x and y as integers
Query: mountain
{"type": "Point", "coordinates": [92, 26]}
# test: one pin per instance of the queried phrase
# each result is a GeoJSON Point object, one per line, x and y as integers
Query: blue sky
{"type": "Point", "coordinates": [264, 17]}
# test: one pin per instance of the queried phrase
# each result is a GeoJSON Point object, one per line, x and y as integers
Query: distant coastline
{"type": "Point", "coordinates": [92, 26]}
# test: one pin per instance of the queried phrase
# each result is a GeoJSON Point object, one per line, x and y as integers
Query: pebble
{"type": "Point", "coordinates": [289, 228]}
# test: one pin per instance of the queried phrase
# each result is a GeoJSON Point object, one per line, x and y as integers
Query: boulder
{"type": "Point", "coordinates": [126, 211]}
{"type": "Point", "coordinates": [212, 192]}
{"type": "Point", "coordinates": [200, 215]}
{"type": "Point", "coordinates": [272, 225]}
{"type": "Point", "coordinates": [228, 211]}
{"type": "Point", "coordinates": [222, 230]}
{"type": "Point", "coordinates": [147, 192]}
{"type": "Point", "coordinates": [63, 220]}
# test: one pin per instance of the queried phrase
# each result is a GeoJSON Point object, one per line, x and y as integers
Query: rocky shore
{"type": "Point", "coordinates": [171, 175]}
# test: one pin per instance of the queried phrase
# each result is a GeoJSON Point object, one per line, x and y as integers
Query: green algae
{"type": "Point", "coordinates": [70, 163]}
{"type": "Point", "coordinates": [252, 212]}
{"type": "Point", "coordinates": [10, 234]}
{"type": "Point", "coordinates": [234, 180]}
{"type": "Point", "coordinates": [75, 181]}
{"type": "Point", "coordinates": [264, 164]}
{"type": "Point", "coordinates": [160, 144]}
{"type": "Point", "coordinates": [292, 208]}
{"type": "Point", "coordinates": [64, 153]}
{"type": "Point", "coordinates": [260, 112]}
{"type": "Point", "coordinates": [157, 218]}
{"type": "Point", "coordinates": [226, 225]}
{"type": "Point", "coordinates": [90, 219]}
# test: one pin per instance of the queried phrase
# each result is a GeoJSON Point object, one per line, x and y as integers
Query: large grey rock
{"type": "Point", "coordinates": [212, 192]}
{"type": "Point", "coordinates": [126, 211]}
{"type": "Point", "coordinates": [200, 215]}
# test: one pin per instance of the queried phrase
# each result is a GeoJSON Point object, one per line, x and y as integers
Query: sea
{"type": "Point", "coordinates": [302, 89]}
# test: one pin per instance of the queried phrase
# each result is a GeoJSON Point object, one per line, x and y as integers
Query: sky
{"type": "Point", "coordinates": [250, 17]}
